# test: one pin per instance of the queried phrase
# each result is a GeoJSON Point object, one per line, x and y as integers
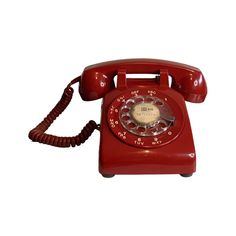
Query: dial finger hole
{"type": "Point", "coordinates": [139, 99]}
{"type": "Point", "coordinates": [159, 103]}
{"type": "Point", "coordinates": [125, 118]}
{"type": "Point", "coordinates": [125, 110]}
{"type": "Point", "coordinates": [141, 129]}
{"type": "Point", "coordinates": [131, 125]}
{"type": "Point", "coordinates": [149, 99]}
{"type": "Point", "coordinates": [130, 103]}
{"type": "Point", "coordinates": [162, 124]}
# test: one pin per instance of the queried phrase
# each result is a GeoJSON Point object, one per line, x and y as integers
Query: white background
{"type": "Point", "coordinates": [51, 191]}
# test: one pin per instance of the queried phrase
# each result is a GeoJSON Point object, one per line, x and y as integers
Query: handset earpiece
{"type": "Point", "coordinates": [191, 85]}
{"type": "Point", "coordinates": [95, 84]}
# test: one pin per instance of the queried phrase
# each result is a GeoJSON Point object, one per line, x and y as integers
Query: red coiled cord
{"type": "Point", "coordinates": [38, 133]}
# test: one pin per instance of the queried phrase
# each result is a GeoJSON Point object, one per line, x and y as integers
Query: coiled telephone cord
{"type": "Point", "coordinates": [38, 133]}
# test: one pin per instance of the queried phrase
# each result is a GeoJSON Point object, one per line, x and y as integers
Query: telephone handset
{"type": "Point", "coordinates": [144, 127]}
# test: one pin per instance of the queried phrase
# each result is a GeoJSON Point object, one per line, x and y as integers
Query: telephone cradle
{"type": "Point", "coordinates": [145, 128]}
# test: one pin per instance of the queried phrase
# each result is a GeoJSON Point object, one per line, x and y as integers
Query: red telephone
{"type": "Point", "coordinates": [145, 127]}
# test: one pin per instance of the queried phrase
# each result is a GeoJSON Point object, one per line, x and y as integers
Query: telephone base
{"type": "Point", "coordinates": [186, 175]}
{"type": "Point", "coordinates": [122, 152]}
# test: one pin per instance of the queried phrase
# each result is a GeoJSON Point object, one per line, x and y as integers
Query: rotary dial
{"type": "Point", "coordinates": [146, 116]}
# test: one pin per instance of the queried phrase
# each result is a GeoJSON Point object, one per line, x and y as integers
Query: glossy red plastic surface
{"type": "Point", "coordinates": [175, 154]}
{"type": "Point", "coordinates": [97, 80]}
{"type": "Point", "coordinates": [117, 157]}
